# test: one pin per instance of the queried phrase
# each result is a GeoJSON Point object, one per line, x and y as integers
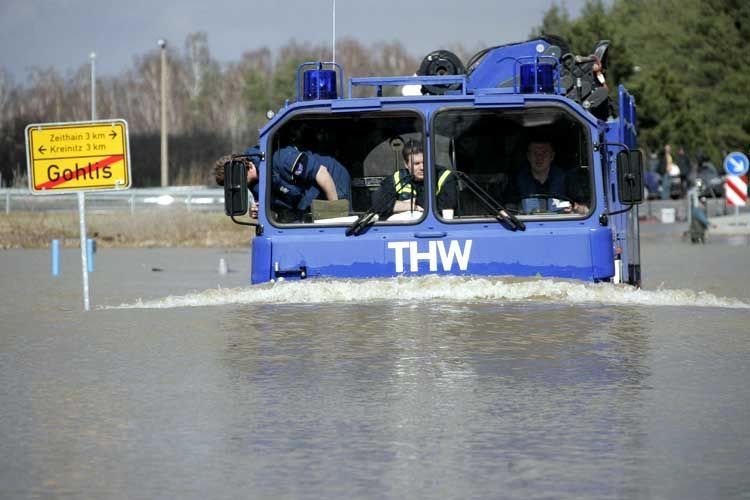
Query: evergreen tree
{"type": "Point", "coordinates": [684, 60]}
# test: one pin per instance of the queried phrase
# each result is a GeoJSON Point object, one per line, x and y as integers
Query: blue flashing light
{"type": "Point", "coordinates": [545, 79]}
{"type": "Point", "coordinates": [319, 84]}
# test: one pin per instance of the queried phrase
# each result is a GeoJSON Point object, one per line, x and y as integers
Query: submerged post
{"type": "Point", "coordinates": [55, 247]}
{"type": "Point", "coordinates": [90, 251]}
{"type": "Point", "coordinates": [736, 216]}
{"type": "Point", "coordinates": [164, 135]}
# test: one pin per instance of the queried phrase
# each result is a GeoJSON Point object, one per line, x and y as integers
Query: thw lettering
{"type": "Point", "coordinates": [435, 251]}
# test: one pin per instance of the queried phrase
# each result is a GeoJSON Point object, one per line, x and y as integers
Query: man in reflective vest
{"type": "Point", "coordinates": [404, 190]}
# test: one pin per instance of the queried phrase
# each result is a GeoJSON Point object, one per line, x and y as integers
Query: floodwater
{"type": "Point", "coordinates": [185, 383]}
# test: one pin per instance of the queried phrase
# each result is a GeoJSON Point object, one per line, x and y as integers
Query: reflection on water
{"type": "Point", "coordinates": [481, 391]}
{"type": "Point", "coordinates": [420, 388]}
{"type": "Point", "coordinates": [740, 240]}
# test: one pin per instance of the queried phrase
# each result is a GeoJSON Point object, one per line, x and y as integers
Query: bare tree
{"type": "Point", "coordinates": [43, 99]}
{"type": "Point", "coordinates": [142, 93]}
{"type": "Point", "coordinates": [6, 90]}
{"type": "Point", "coordinates": [198, 58]}
{"type": "Point", "coordinates": [77, 96]}
{"type": "Point", "coordinates": [212, 107]}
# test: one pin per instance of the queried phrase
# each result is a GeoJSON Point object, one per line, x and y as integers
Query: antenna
{"type": "Point", "coordinates": [334, 31]}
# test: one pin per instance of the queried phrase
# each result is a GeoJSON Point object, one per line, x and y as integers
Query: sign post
{"type": "Point", "coordinates": [735, 194]}
{"type": "Point", "coordinates": [76, 157]}
{"type": "Point", "coordinates": [82, 203]}
{"type": "Point", "coordinates": [84, 257]}
{"type": "Point", "coordinates": [736, 165]}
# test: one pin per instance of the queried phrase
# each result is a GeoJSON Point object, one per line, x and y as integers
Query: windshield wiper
{"type": "Point", "coordinates": [507, 219]}
{"type": "Point", "coordinates": [363, 222]}
{"type": "Point", "coordinates": [371, 215]}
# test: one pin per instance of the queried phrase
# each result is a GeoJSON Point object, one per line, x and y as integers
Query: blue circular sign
{"type": "Point", "coordinates": [736, 163]}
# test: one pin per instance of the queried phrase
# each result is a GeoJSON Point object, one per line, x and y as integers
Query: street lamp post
{"type": "Point", "coordinates": [164, 145]}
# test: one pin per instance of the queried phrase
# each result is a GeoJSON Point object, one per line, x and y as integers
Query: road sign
{"type": "Point", "coordinates": [735, 190]}
{"type": "Point", "coordinates": [78, 156]}
{"type": "Point", "coordinates": [736, 163]}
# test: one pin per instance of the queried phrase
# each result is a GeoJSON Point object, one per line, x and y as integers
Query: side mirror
{"type": "Point", "coordinates": [235, 188]}
{"type": "Point", "coordinates": [630, 176]}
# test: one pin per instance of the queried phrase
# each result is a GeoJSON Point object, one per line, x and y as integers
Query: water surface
{"type": "Point", "coordinates": [186, 383]}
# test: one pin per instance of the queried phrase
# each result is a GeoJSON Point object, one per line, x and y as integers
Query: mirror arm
{"type": "Point", "coordinates": [618, 212]}
{"type": "Point", "coordinates": [258, 226]}
{"type": "Point", "coordinates": [618, 144]}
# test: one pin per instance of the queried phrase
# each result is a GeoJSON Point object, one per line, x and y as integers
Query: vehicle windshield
{"type": "Point", "coordinates": [360, 151]}
{"type": "Point", "coordinates": [533, 161]}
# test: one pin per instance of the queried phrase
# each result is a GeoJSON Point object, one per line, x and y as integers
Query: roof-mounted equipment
{"type": "Point", "coordinates": [319, 83]}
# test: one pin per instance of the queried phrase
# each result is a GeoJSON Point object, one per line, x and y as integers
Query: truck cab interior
{"type": "Point", "coordinates": [487, 145]}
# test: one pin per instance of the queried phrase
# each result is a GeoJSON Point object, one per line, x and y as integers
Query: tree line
{"type": "Point", "coordinates": [685, 61]}
{"type": "Point", "coordinates": [213, 109]}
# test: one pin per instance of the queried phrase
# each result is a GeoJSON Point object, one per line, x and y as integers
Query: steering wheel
{"type": "Point", "coordinates": [543, 196]}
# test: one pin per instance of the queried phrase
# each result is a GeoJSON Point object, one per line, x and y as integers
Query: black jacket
{"type": "Point", "coordinates": [386, 196]}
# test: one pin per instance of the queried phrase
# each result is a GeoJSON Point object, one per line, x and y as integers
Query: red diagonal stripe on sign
{"type": "Point", "coordinates": [741, 183]}
{"type": "Point", "coordinates": [96, 166]}
{"type": "Point", "coordinates": [737, 189]}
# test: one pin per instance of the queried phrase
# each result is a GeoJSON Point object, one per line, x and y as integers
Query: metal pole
{"type": "Point", "coordinates": [82, 202]}
{"type": "Point", "coordinates": [164, 146]}
{"type": "Point", "coordinates": [92, 56]}
{"type": "Point", "coordinates": [84, 260]}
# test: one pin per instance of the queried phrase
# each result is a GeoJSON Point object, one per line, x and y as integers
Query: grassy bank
{"type": "Point", "coordinates": [166, 228]}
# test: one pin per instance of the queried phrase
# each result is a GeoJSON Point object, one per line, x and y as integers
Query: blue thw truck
{"type": "Point", "coordinates": [475, 124]}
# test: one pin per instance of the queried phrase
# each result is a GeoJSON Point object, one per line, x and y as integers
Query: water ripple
{"type": "Point", "coordinates": [434, 288]}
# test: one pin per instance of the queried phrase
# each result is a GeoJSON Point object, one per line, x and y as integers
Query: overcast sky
{"type": "Point", "coordinates": [62, 33]}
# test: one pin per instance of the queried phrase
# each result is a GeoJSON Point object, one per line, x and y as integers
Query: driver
{"type": "Point", "coordinates": [541, 176]}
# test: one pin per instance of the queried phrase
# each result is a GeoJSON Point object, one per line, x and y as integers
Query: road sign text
{"type": "Point", "coordinates": [78, 156]}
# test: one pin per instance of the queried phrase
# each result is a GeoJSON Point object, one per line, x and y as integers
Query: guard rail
{"type": "Point", "coordinates": [192, 198]}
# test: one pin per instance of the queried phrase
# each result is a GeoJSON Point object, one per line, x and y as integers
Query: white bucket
{"type": "Point", "coordinates": [667, 215]}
